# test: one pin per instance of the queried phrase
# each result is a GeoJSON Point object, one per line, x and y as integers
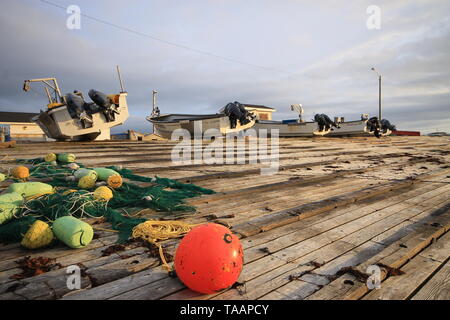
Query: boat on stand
{"type": "Point", "coordinates": [70, 118]}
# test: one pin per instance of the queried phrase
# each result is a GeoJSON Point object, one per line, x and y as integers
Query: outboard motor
{"type": "Point", "coordinates": [374, 126]}
{"type": "Point", "coordinates": [99, 98]}
{"type": "Point", "coordinates": [76, 107]}
{"type": "Point", "coordinates": [246, 116]}
{"type": "Point", "coordinates": [236, 111]}
{"type": "Point", "coordinates": [106, 107]}
{"type": "Point", "coordinates": [386, 125]}
{"type": "Point", "coordinates": [91, 108]}
{"type": "Point", "coordinates": [232, 111]}
{"type": "Point", "coordinates": [324, 122]}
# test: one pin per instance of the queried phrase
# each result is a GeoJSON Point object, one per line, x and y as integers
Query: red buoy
{"type": "Point", "coordinates": [209, 258]}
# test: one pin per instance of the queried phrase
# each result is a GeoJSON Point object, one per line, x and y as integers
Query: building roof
{"type": "Point", "coordinates": [16, 116]}
{"type": "Point", "coordinates": [257, 106]}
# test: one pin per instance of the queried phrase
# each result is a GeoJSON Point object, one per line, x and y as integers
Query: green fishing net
{"type": "Point", "coordinates": [162, 195]}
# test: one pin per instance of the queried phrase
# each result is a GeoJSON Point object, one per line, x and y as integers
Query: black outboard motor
{"type": "Point", "coordinates": [246, 116]}
{"type": "Point", "coordinates": [233, 113]}
{"type": "Point", "coordinates": [324, 122]}
{"type": "Point", "coordinates": [91, 108]}
{"type": "Point", "coordinates": [99, 98]}
{"type": "Point", "coordinates": [104, 103]}
{"type": "Point", "coordinates": [374, 126]}
{"type": "Point", "coordinates": [76, 107]}
{"type": "Point", "coordinates": [386, 125]}
{"type": "Point", "coordinates": [236, 111]}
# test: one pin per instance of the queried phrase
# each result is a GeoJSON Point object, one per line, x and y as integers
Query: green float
{"type": "Point", "coordinates": [80, 173]}
{"type": "Point", "coordinates": [73, 232]}
{"type": "Point", "coordinates": [9, 206]}
{"type": "Point", "coordinates": [30, 189]}
{"type": "Point", "coordinates": [105, 173]}
{"type": "Point", "coordinates": [66, 157]}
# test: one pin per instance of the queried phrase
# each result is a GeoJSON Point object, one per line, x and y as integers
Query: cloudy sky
{"type": "Point", "coordinates": [202, 54]}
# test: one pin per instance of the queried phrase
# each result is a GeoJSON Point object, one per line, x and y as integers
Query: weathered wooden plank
{"type": "Point", "coordinates": [8, 259]}
{"type": "Point", "coordinates": [284, 217]}
{"type": "Point", "coordinates": [95, 272]}
{"type": "Point", "coordinates": [121, 268]}
{"type": "Point", "coordinates": [395, 255]}
{"type": "Point", "coordinates": [288, 216]}
{"type": "Point", "coordinates": [264, 267]}
{"type": "Point", "coordinates": [119, 286]}
{"type": "Point", "coordinates": [436, 288]}
{"type": "Point", "coordinates": [338, 216]}
{"type": "Point", "coordinates": [294, 290]}
{"type": "Point", "coordinates": [401, 287]}
{"type": "Point", "coordinates": [152, 291]}
{"type": "Point", "coordinates": [226, 175]}
{"type": "Point", "coordinates": [267, 262]}
{"type": "Point", "coordinates": [274, 295]}
{"type": "Point", "coordinates": [438, 250]}
{"type": "Point", "coordinates": [246, 208]}
{"type": "Point", "coordinates": [261, 282]}
{"type": "Point", "coordinates": [289, 184]}
{"type": "Point", "coordinates": [344, 252]}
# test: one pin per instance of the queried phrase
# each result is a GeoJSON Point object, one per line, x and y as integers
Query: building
{"type": "Point", "coordinates": [262, 112]}
{"type": "Point", "coordinates": [18, 126]}
{"type": "Point", "coordinates": [405, 133]}
{"type": "Point", "coordinates": [136, 136]}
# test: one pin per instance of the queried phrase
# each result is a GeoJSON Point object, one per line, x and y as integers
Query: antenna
{"type": "Point", "coordinates": [154, 101]}
{"type": "Point", "coordinates": [120, 80]}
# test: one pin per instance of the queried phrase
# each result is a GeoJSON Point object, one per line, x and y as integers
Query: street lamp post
{"type": "Point", "coordinates": [154, 108]}
{"type": "Point", "coordinates": [379, 95]}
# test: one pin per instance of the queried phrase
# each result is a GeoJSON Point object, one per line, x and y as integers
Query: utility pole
{"type": "Point", "coordinates": [379, 95]}
{"type": "Point", "coordinates": [379, 98]}
{"type": "Point", "coordinates": [154, 108]}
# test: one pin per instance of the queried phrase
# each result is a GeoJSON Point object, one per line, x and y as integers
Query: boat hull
{"type": "Point", "coordinates": [296, 129]}
{"type": "Point", "coordinates": [355, 128]}
{"type": "Point", "coordinates": [196, 125]}
{"type": "Point", "coordinates": [58, 124]}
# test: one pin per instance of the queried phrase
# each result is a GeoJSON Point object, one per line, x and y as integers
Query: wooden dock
{"type": "Point", "coordinates": [336, 207]}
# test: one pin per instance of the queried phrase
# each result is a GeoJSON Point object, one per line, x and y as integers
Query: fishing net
{"type": "Point", "coordinates": [159, 194]}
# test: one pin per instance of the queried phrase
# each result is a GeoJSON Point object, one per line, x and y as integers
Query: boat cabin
{"type": "Point", "coordinates": [261, 112]}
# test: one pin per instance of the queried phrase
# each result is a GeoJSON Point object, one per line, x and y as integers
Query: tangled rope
{"type": "Point", "coordinates": [153, 231]}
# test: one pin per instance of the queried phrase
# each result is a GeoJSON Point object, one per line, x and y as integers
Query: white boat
{"type": "Point", "coordinates": [352, 128]}
{"type": "Point", "coordinates": [69, 117]}
{"type": "Point", "coordinates": [292, 128]}
{"type": "Point", "coordinates": [232, 118]}
{"type": "Point", "coordinates": [358, 128]}
{"type": "Point", "coordinates": [196, 124]}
